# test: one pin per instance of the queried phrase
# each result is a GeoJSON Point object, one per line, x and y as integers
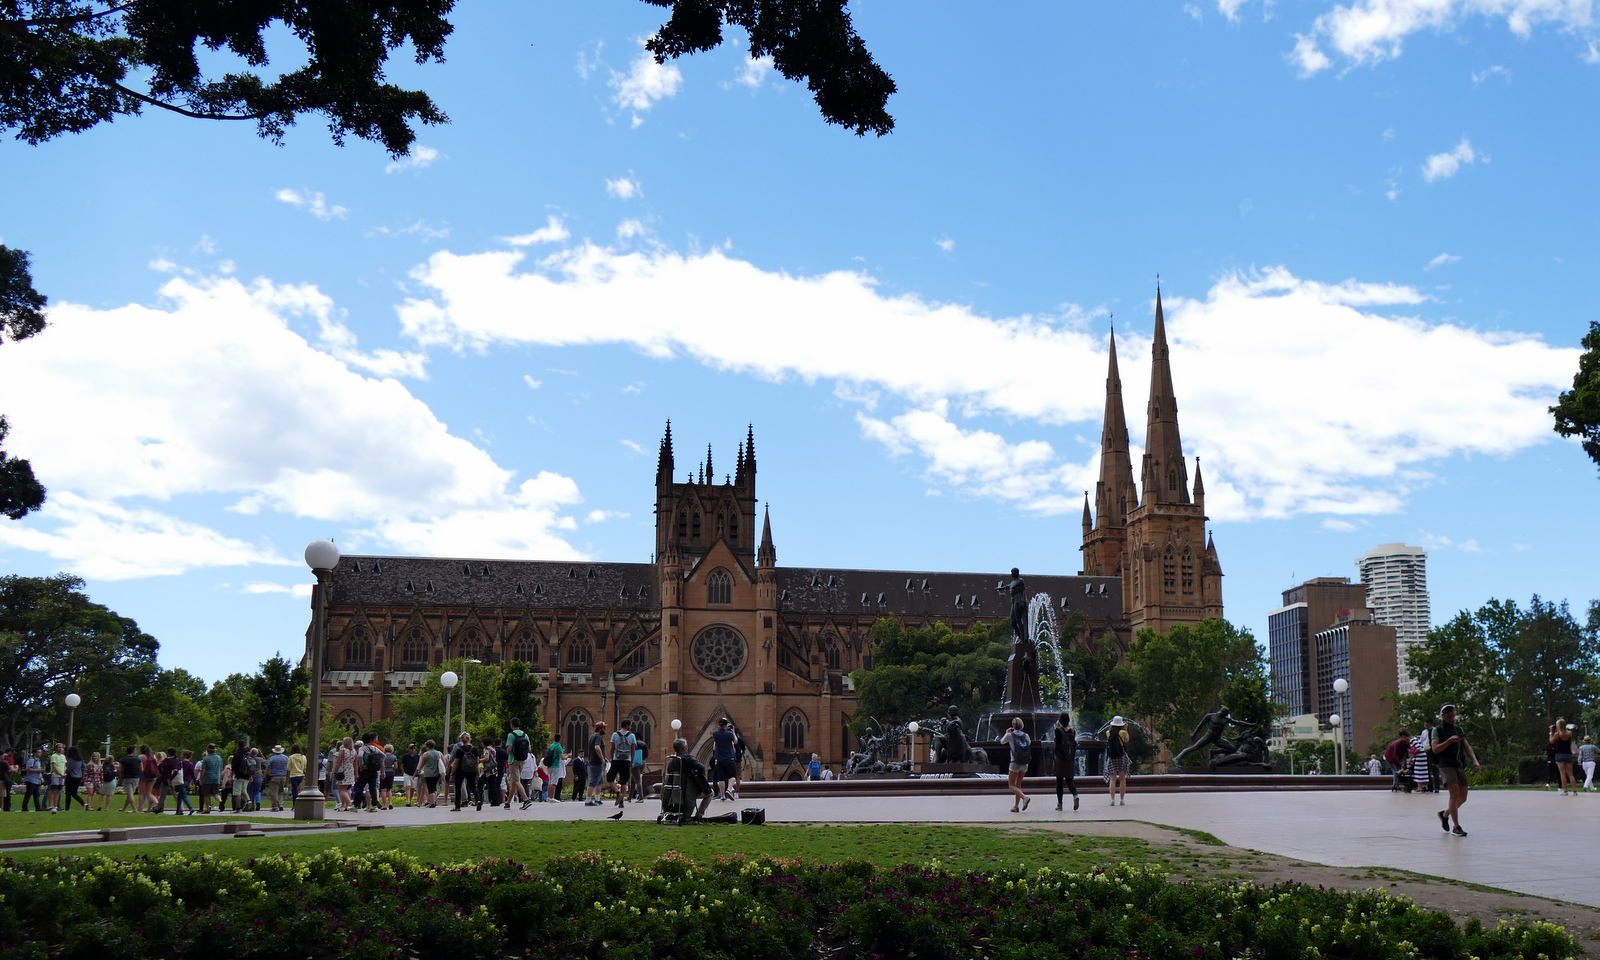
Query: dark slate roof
{"type": "Point", "coordinates": [824, 590]}
{"type": "Point", "coordinates": [494, 583]}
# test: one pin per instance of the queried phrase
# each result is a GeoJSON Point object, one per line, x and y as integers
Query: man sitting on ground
{"type": "Point", "coordinates": [692, 780]}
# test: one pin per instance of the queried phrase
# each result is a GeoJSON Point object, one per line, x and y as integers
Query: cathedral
{"type": "Point", "coordinates": [714, 627]}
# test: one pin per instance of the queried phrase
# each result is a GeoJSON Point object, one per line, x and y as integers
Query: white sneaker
{"type": "Point", "coordinates": [1113, 801]}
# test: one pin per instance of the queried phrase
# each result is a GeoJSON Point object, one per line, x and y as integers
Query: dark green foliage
{"type": "Point", "coordinates": [53, 637]}
{"type": "Point", "coordinates": [516, 691]}
{"type": "Point", "coordinates": [1510, 673]}
{"type": "Point", "coordinates": [494, 697]}
{"type": "Point", "coordinates": [810, 40]}
{"type": "Point", "coordinates": [21, 306]}
{"type": "Point", "coordinates": [1577, 411]}
{"type": "Point", "coordinates": [20, 491]}
{"type": "Point", "coordinates": [1184, 674]}
{"type": "Point", "coordinates": [919, 673]}
{"type": "Point", "coordinates": [1101, 682]}
{"type": "Point", "coordinates": [69, 65]}
{"type": "Point", "coordinates": [387, 906]}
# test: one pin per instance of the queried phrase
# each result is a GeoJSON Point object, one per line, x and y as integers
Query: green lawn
{"type": "Point", "coordinates": [17, 825]}
{"type": "Point", "coordinates": [964, 848]}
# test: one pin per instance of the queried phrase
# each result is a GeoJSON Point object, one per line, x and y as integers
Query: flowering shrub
{"type": "Point", "coordinates": [389, 906]}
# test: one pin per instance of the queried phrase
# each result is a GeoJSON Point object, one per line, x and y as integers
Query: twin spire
{"type": "Point", "coordinates": [1164, 475]}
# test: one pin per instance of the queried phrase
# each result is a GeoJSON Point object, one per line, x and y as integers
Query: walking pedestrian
{"type": "Point", "coordinates": [1561, 740]}
{"type": "Point", "coordinates": [297, 771]}
{"type": "Point", "coordinates": [57, 770]}
{"type": "Point", "coordinates": [1021, 756]}
{"type": "Point", "coordinates": [556, 762]}
{"type": "Point", "coordinates": [1419, 759]}
{"type": "Point", "coordinates": [623, 744]}
{"type": "Point", "coordinates": [430, 767]}
{"type": "Point", "coordinates": [740, 745]}
{"type": "Point", "coordinates": [1117, 761]}
{"type": "Point", "coordinates": [239, 766]}
{"type": "Point", "coordinates": [344, 772]}
{"type": "Point", "coordinates": [1065, 741]}
{"type": "Point", "coordinates": [518, 746]}
{"type": "Point", "coordinates": [74, 779]}
{"type": "Point", "coordinates": [579, 777]}
{"type": "Point", "coordinates": [209, 774]}
{"type": "Point", "coordinates": [149, 773]}
{"type": "Point", "coordinates": [1452, 752]}
{"type": "Point", "coordinates": [391, 763]}
{"type": "Point", "coordinates": [277, 777]}
{"type": "Point", "coordinates": [7, 764]}
{"type": "Point", "coordinates": [258, 777]}
{"type": "Point", "coordinates": [129, 767]}
{"type": "Point", "coordinates": [179, 779]}
{"type": "Point", "coordinates": [369, 768]}
{"type": "Point", "coordinates": [90, 778]}
{"type": "Point", "coordinates": [1586, 759]}
{"type": "Point", "coordinates": [488, 776]}
{"type": "Point", "coordinates": [814, 768]}
{"type": "Point", "coordinates": [1374, 768]}
{"type": "Point", "coordinates": [409, 765]}
{"type": "Point", "coordinates": [595, 760]}
{"type": "Point", "coordinates": [464, 771]}
{"type": "Point", "coordinates": [1430, 736]}
{"type": "Point", "coordinates": [641, 753]}
{"type": "Point", "coordinates": [107, 788]}
{"type": "Point", "coordinates": [32, 780]}
{"type": "Point", "coordinates": [724, 759]}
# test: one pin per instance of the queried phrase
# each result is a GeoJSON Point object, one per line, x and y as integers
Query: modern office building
{"type": "Point", "coordinates": [1361, 651]}
{"type": "Point", "coordinates": [1396, 580]}
{"type": "Point", "coordinates": [1291, 631]}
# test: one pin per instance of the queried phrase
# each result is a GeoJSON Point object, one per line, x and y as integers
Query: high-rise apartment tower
{"type": "Point", "coordinates": [1396, 578]}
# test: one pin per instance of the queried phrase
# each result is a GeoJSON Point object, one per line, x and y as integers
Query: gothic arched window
{"type": "Point", "coordinates": [1169, 570]}
{"type": "Point", "coordinates": [835, 657]}
{"type": "Point", "coordinates": [358, 650]}
{"type": "Point", "coordinates": [1172, 481]}
{"type": "Point", "coordinates": [577, 730]}
{"type": "Point", "coordinates": [683, 526]}
{"type": "Point", "coordinates": [580, 653]}
{"type": "Point", "coordinates": [1188, 570]}
{"type": "Point", "coordinates": [719, 587]}
{"type": "Point", "coordinates": [733, 529]}
{"type": "Point", "coordinates": [525, 649]}
{"type": "Point", "coordinates": [350, 721]}
{"type": "Point", "coordinates": [721, 525]}
{"type": "Point", "coordinates": [415, 651]}
{"type": "Point", "coordinates": [794, 730]}
{"type": "Point", "coordinates": [470, 648]}
{"type": "Point", "coordinates": [696, 527]}
{"type": "Point", "coordinates": [644, 725]}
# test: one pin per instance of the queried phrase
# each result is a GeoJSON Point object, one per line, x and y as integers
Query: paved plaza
{"type": "Point", "coordinates": [1531, 842]}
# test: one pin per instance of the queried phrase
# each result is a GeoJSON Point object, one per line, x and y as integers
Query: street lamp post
{"type": "Point", "coordinates": [1341, 686]}
{"type": "Point", "coordinates": [1334, 720]}
{"type": "Point", "coordinates": [448, 680]}
{"type": "Point", "coordinates": [321, 556]}
{"type": "Point", "coordinates": [915, 729]}
{"type": "Point", "coordinates": [72, 700]}
{"type": "Point", "coordinates": [464, 692]}
{"type": "Point", "coordinates": [1069, 693]}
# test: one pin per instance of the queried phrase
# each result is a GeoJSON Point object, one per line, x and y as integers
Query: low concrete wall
{"type": "Point", "coordinates": [1152, 783]}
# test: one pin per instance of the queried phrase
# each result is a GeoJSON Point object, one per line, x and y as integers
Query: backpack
{"type": "Point", "coordinates": [1021, 747]}
{"type": "Point", "coordinates": [520, 745]}
{"type": "Point", "coordinates": [549, 758]}
{"type": "Point", "coordinates": [371, 759]}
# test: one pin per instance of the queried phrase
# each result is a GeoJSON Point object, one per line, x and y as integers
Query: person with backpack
{"type": "Point", "coordinates": [489, 775]}
{"type": "Point", "coordinates": [369, 766]}
{"type": "Point", "coordinates": [595, 761]}
{"type": "Point", "coordinates": [1117, 760]}
{"type": "Point", "coordinates": [241, 767]}
{"type": "Point", "coordinates": [724, 759]}
{"type": "Point", "coordinates": [623, 743]}
{"type": "Point", "coordinates": [518, 746]}
{"type": "Point", "coordinates": [1021, 756]}
{"type": "Point", "coordinates": [464, 771]}
{"type": "Point", "coordinates": [641, 753]}
{"type": "Point", "coordinates": [1066, 757]}
{"type": "Point", "coordinates": [430, 767]}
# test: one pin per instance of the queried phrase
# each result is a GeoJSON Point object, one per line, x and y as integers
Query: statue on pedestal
{"type": "Point", "coordinates": [1215, 726]}
{"type": "Point", "coordinates": [1022, 667]}
{"type": "Point", "coordinates": [950, 743]}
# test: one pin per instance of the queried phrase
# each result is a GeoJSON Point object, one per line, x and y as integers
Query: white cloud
{"type": "Point", "coordinates": [1441, 260]}
{"type": "Point", "coordinates": [532, 383]}
{"type": "Point", "coordinates": [300, 591]}
{"type": "Point", "coordinates": [601, 516]}
{"type": "Point", "coordinates": [1338, 526]}
{"type": "Point", "coordinates": [1357, 444]}
{"type": "Point", "coordinates": [420, 228]}
{"type": "Point", "coordinates": [418, 157]}
{"type": "Point", "coordinates": [946, 244]}
{"type": "Point", "coordinates": [1443, 166]}
{"type": "Point", "coordinates": [553, 231]}
{"type": "Point", "coordinates": [1438, 542]}
{"type": "Point", "coordinates": [624, 188]}
{"type": "Point", "coordinates": [213, 394]}
{"type": "Point", "coordinates": [755, 71]}
{"type": "Point", "coordinates": [1193, 11]}
{"type": "Point", "coordinates": [1495, 71]}
{"type": "Point", "coordinates": [630, 228]}
{"type": "Point", "coordinates": [314, 203]}
{"type": "Point", "coordinates": [1228, 8]}
{"type": "Point", "coordinates": [645, 83]}
{"type": "Point", "coordinates": [631, 445]}
{"type": "Point", "coordinates": [1371, 31]}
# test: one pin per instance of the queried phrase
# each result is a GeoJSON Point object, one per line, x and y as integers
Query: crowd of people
{"type": "Point", "coordinates": [355, 773]}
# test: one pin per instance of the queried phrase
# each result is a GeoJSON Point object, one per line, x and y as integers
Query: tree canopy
{"type": "Point", "coordinates": [494, 697]}
{"type": "Point", "coordinates": [21, 316]}
{"type": "Point", "coordinates": [1577, 411]}
{"type": "Point", "coordinates": [69, 65]}
{"type": "Point", "coordinates": [1183, 674]}
{"type": "Point", "coordinates": [919, 673]}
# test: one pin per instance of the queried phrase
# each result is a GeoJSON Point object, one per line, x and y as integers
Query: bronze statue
{"type": "Point", "coordinates": [1022, 667]}
{"type": "Point", "coordinates": [1019, 606]}
{"type": "Point", "coordinates": [1251, 750]}
{"type": "Point", "coordinates": [950, 743]}
{"type": "Point", "coordinates": [1215, 726]}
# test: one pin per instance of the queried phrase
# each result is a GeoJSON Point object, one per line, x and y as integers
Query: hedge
{"type": "Point", "coordinates": [389, 906]}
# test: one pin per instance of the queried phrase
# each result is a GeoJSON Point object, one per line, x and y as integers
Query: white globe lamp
{"type": "Point", "coordinates": [322, 555]}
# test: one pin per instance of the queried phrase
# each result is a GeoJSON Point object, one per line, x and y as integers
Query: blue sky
{"type": "Point", "coordinates": [1373, 226]}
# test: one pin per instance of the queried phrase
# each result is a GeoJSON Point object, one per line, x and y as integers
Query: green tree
{"type": "Point", "coordinates": [921, 672]}
{"type": "Point", "coordinates": [1577, 411]}
{"type": "Point", "coordinates": [516, 690]}
{"type": "Point", "coordinates": [1183, 674]}
{"type": "Point", "coordinates": [275, 701]}
{"type": "Point", "coordinates": [74, 64]}
{"type": "Point", "coordinates": [419, 715]}
{"type": "Point", "coordinates": [21, 316]}
{"type": "Point", "coordinates": [1101, 682]}
{"type": "Point", "coordinates": [1552, 669]}
{"type": "Point", "coordinates": [52, 638]}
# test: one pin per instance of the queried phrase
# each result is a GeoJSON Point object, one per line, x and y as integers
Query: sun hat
{"type": "Point", "coordinates": [278, 748]}
{"type": "Point", "coordinates": [1117, 721]}
{"type": "Point", "coordinates": [600, 724]}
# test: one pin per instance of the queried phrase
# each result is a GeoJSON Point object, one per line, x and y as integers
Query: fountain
{"type": "Point", "coordinates": [1034, 633]}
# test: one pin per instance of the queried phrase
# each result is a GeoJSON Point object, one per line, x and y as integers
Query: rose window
{"type": "Point", "coordinates": [718, 652]}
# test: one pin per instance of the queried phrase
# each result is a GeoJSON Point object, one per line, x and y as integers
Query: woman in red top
{"type": "Point", "coordinates": [149, 774]}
